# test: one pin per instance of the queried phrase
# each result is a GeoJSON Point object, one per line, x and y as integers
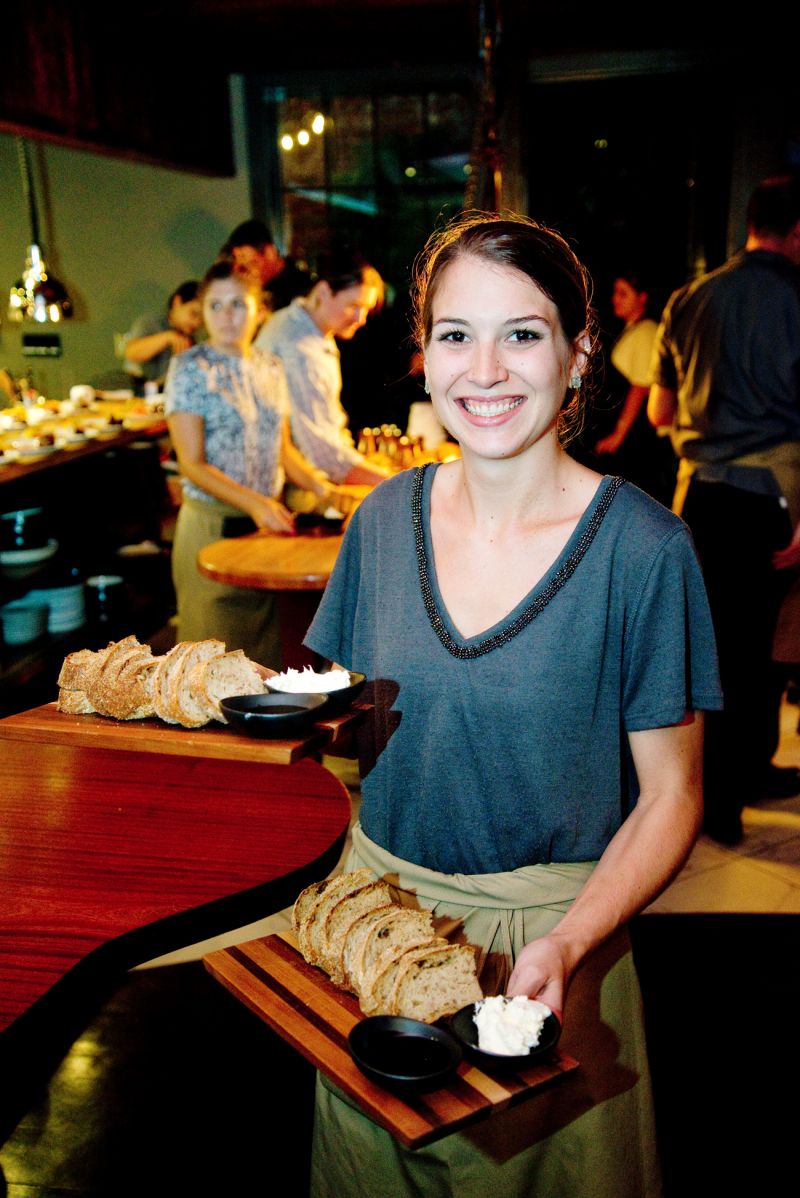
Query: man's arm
{"type": "Point", "coordinates": [662, 406]}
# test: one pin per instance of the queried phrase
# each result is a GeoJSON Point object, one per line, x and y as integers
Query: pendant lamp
{"type": "Point", "coordinates": [38, 296]}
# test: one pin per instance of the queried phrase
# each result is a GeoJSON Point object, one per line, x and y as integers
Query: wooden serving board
{"type": "Point", "coordinates": [46, 723]}
{"type": "Point", "coordinates": [302, 1005]}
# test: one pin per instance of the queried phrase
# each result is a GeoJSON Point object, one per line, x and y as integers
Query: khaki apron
{"type": "Point", "coordinates": [242, 617]}
{"type": "Point", "coordinates": [591, 1135]}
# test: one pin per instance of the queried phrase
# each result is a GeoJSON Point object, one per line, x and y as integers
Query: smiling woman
{"type": "Point", "coordinates": [544, 634]}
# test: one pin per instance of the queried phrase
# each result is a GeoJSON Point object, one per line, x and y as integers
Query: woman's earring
{"type": "Point", "coordinates": [575, 381]}
{"type": "Point", "coordinates": [427, 386]}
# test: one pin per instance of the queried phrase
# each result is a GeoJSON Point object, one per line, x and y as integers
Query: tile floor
{"type": "Point", "coordinates": [762, 874]}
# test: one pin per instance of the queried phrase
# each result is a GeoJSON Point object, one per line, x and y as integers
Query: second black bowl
{"type": "Point", "coordinates": [463, 1027]}
{"type": "Point", "coordinates": [272, 715]}
{"type": "Point", "coordinates": [336, 702]}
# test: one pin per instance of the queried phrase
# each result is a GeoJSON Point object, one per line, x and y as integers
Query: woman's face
{"type": "Point", "coordinates": [231, 313]}
{"type": "Point", "coordinates": [628, 303]}
{"type": "Point", "coordinates": [497, 361]}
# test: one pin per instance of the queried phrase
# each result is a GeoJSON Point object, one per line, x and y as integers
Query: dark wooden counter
{"type": "Point", "coordinates": [109, 858]}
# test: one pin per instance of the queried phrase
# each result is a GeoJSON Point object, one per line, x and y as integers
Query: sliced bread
{"type": "Point", "coordinates": [310, 933]}
{"type": "Point", "coordinates": [434, 982]}
{"type": "Point", "coordinates": [401, 926]}
{"type": "Point", "coordinates": [162, 680]}
{"type": "Point", "coordinates": [183, 704]}
{"type": "Point", "coordinates": [354, 941]}
{"type": "Point", "coordinates": [340, 917]}
{"type": "Point", "coordinates": [375, 994]}
{"type": "Point", "coordinates": [229, 674]}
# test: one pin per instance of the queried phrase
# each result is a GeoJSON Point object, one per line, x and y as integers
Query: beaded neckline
{"type": "Point", "coordinates": [537, 605]}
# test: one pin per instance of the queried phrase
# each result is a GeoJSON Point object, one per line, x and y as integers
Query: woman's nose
{"type": "Point", "coordinates": [486, 366]}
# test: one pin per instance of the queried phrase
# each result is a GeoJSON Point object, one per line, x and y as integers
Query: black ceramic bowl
{"type": "Point", "coordinates": [336, 702]}
{"type": "Point", "coordinates": [403, 1054]}
{"type": "Point", "coordinates": [463, 1027]}
{"type": "Point", "coordinates": [272, 716]}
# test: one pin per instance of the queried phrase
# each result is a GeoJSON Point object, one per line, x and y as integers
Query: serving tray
{"type": "Point", "coordinates": [154, 736]}
{"type": "Point", "coordinates": [301, 1004]}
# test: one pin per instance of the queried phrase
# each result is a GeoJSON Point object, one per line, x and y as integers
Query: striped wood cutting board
{"type": "Point", "coordinates": [299, 1002]}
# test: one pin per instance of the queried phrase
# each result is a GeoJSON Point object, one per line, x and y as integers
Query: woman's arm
{"type": "Point", "coordinates": [661, 406]}
{"type": "Point", "coordinates": [643, 857]}
{"type": "Point", "coordinates": [142, 349]}
{"type": "Point", "coordinates": [625, 421]}
{"type": "Point", "coordinates": [187, 431]}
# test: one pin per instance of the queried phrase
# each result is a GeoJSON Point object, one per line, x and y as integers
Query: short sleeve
{"type": "Point", "coordinates": [184, 387]}
{"type": "Point", "coordinates": [669, 661]}
{"type": "Point", "coordinates": [662, 363]}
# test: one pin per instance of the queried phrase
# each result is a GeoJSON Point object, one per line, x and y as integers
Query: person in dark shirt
{"type": "Point", "coordinates": [726, 379]}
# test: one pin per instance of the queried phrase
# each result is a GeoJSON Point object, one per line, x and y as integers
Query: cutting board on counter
{"type": "Point", "coordinates": [302, 1005]}
{"type": "Point", "coordinates": [46, 723]}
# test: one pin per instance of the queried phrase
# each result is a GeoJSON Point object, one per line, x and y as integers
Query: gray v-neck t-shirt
{"type": "Point", "coordinates": [489, 753]}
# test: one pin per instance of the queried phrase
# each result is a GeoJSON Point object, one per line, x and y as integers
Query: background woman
{"type": "Point", "coordinates": [228, 419]}
{"type": "Point", "coordinates": [346, 291]}
{"type": "Point", "coordinates": [154, 340]}
{"type": "Point", "coordinates": [633, 448]}
{"type": "Point", "coordinates": [541, 648]}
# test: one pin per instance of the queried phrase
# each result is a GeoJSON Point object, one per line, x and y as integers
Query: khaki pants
{"type": "Point", "coordinates": [242, 617]}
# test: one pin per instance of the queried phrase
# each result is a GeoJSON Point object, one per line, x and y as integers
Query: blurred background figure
{"type": "Point", "coordinates": [726, 380]}
{"type": "Point", "coordinates": [347, 289]}
{"type": "Point", "coordinates": [253, 252]}
{"type": "Point", "coordinates": [633, 448]}
{"type": "Point", "coordinates": [153, 340]}
{"type": "Point", "coordinates": [227, 410]}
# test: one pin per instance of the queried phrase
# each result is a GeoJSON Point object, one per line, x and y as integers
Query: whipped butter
{"type": "Point", "coordinates": [510, 1026]}
{"type": "Point", "coordinates": [307, 681]}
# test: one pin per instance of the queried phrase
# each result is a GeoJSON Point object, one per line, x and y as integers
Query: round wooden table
{"type": "Point", "coordinates": [296, 568]}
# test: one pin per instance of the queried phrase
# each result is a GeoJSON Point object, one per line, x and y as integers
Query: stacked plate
{"type": "Point", "coordinates": [66, 606]}
{"type": "Point", "coordinates": [23, 620]}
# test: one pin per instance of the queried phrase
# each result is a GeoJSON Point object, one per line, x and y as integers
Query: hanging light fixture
{"type": "Point", "coordinates": [38, 295]}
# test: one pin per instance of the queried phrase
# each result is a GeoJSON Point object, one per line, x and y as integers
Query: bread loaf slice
{"type": "Point", "coordinates": [339, 919]}
{"type": "Point", "coordinates": [162, 680]}
{"type": "Point", "coordinates": [125, 691]}
{"type": "Point", "coordinates": [77, 669]}
{"type": "Point", "coordinates": [433, 982]}
{"type": "Point", "coordinates": [310, 933]}
{"type": "Point", "coordinates": [403, 926]}
{"type": "Point", "coordinates": [305, 901]}
{"type": "Point", "coordinates": [102, 688]}
{"type": "Point", "coordinates": [375, 996]}
{"type": "Point", "coordinates": [354, 941]}
{"type": "Point", "coordinates": [182, 703]}
{"type": "Point", "coordinates": [230, 674]}
{"type": "Point", "coordinates": [73, 702]}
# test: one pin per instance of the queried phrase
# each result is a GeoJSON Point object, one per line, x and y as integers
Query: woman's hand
{"type": "Point", "coordinates": [542, 970]}
{"type": "Point", "coordinates": [270, 514]}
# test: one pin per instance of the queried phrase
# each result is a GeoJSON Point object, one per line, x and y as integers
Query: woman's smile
{"type": "Point", "coordinates": [487, 408]}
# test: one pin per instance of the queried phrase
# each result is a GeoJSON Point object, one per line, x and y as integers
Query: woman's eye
{"type": "Point", "coordinates": [454, 336]}
{"type": "Point", "coordinates": [520, 336]}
